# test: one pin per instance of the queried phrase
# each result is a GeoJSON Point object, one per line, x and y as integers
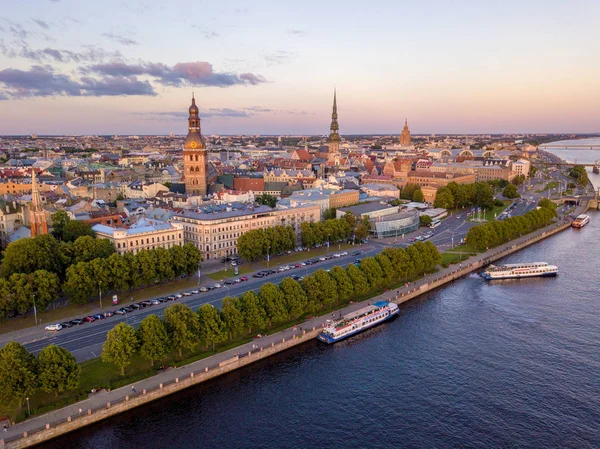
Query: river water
{"type": "Point", "coordinates": [513, 364]}
{"type": "Point", "coordinates": [577, 155]}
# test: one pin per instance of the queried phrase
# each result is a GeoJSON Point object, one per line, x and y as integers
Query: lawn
{"type": "Point", "coordinates": [551, 185]}
{"type": "Point", "coordinates": [491, 214]}
{"type": "Point", "coordinates": [449, 258]}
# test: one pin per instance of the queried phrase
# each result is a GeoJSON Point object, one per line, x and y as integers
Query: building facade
{"type": "Point", "coordinates": [405, 135]}
{"type": "Point", "coordinates": [37, 220]}
{"type": "Point", "coordinates": [149, 236]}
{"type": "Point", "coordinates": [216, 234]}
{"type": "Point", "coordinates": [194, 155]}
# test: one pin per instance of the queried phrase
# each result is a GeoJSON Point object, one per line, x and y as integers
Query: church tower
{"type": "Point", "coordinates": [37, 220]}
{"type": "Point", "coordinates": [194, 155]}
{"type": "Point", "coordinates": [405, 136]}
{"type": "Point", "coordinates": [334, 136]}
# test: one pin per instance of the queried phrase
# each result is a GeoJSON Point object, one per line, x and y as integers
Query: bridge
{"type": "Point", "coordinates": [567, 164]}
{"type": "Point", "coordinates": [570, 147]}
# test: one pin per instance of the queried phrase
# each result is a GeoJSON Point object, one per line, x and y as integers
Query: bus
{"type": "Point", "coordinates": [435, 223]}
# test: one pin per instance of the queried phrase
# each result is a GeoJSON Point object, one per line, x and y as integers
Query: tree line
{"type": "Point", "coordinates": [335, 230]}
{"type": "Point", "coordinates": [456, 196]}
{"type": "Point", "coordinates": [411, 192]}
{"type": "Point", "coordinates": [496, 233]}
{"type": "Point", "coordinates": [256, 244]}
{"type": "Point", "coordinates": [40, 268]}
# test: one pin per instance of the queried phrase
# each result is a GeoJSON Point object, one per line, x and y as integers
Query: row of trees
{"type": "Point", "coordinates": [256, 244]}
{"type": "Point", "coordinates": [495, 233]}
{"type": "Point", "coordinates": [332, 230]}
{"type": "Point", "coordinates": [54, 370]}
{"type": "Point", "coordinates": [20, 290]}
{"type": "Point", "coordinates": [123, 272]}
{"type": "Point", "coordinates": [412, 192]}
{"type": "Point", "coordinates": [511, 192]}
{"type": "Point", "coordinates": [183, 329]}
{"type": "Point", "coordinates": [44, 252]}
{"type": "Point", "coordinates": [455, 196]}
{"type": "Point", "coordinates": [67, 230]}
{"type": "Point", "coordinates": [579, 174]}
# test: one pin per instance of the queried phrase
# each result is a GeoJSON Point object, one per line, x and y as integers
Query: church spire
{"type": "Point", "coordinates": [37, 220]}
{"type": "Point", "coordinates": [335, 127]}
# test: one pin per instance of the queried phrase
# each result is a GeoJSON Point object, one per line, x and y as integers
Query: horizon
{"type": "Point", "coordinates": [73, 68]}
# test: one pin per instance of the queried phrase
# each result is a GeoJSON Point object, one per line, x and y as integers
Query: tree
{"type": "Point", "coordinates": [511, 192]}
{"type": "Point", "coordinates": [425, 220]}
{"type": "Point", "coordinates": [7, 302]}
{"type": "Point", "coordinates": [518, 180]}
{"type": "Point", "coordinates": [579, 174]}
{"type": "Point", "coordinates": [372, 271]}
{"type": "Point", "coordinates": [193, 257]}
{"type": "Point", "coordinates": [329, 214]}
{"type": "Point", "coordinates": [273, 302]}
{"type": "Point", "coordinates": [75, 229]}
{"type": "Point", "coordinates": [183, 327]}
{"type": "Point", "coordinates": [232, 316]}
{"type": "Point", "coordinates": [147, 270]}
{"type": "Point", "coordinates": [386, 267]}
{"type": "Point", "coordinates": [58, 370]}
{"type": "Point", "coordinates": [163, 263]}
{"type": "Point", "coordinates": [212, 327]}
{"type": "Point", "coordinates": [418, 196]}
{"type": "Point", "coordinates": [79, 284]}
{"type": "Point", "coordinates": [266, 199]}
{"type": "Point", "coordinates": [46, 287]}
{"type": "Point", "coordinates": [178, 256]}
{"type": "Point", "coordinates": [362, 229]}
{"type": "Point", "coordinates": [154, 340]}
{"type": "Point", "coordinates": [327, 290]}
{"type": "Point", "coordinates": [22, 291]}
{"type": "Point", "coordinates": [359, 280]}
{"type": "Point", "coordinates": [119, 271]}
{"type": "Point", "coordinates": [295, 297]}
{"type": "Point", "coordinates": [59, 221]}
{"type": "Point", "coordinates": [120, 345]}
{"type": "Point", "coordinates": [545, 202]}
{"type": "Point", "coordinates": [444, 198]}
{"type": "Point", "coordinates": [30, 254]}
{"type": "Point", "coordinates": [254, 315]}
{"type": "Point", "coordinates": [343, 283]}
{"type": "Point", "coordinates": [18, 378]}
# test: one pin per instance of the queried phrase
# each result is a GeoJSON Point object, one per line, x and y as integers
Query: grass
{"type": "Point", "coordinates": [224, 274]}
{"type": "Point", "coordinates": [449, 258]}
{"type": "Point", "coordinates": [491, 214]}
{"type": "Point", "coordinates": [464, 248]}
{"type": "Point", "coordinates": [551, 185]}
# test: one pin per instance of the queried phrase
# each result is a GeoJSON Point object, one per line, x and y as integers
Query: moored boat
{"type": "Point", "coordinates": [519, 270]}
{"type": "Point", "coordinates": [581, 221]}
{"type": "Point", "coordinates": [358, 321]}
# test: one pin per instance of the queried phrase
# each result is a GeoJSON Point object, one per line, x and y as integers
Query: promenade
{"type": "Point", "coordinates": [108, 403]}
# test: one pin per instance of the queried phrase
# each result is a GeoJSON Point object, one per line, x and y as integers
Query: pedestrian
{"type": "Point", "coordinates": [80, 411]}
{"type": "Point", "coordinates": [5, 429]}
{"type": "Point", "coordinates": [133, 388]}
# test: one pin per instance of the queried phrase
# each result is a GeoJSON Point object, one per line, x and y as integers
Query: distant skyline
{"type": "Point", "coordinates": [264, 67]}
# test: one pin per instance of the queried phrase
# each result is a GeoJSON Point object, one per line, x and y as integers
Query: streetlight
{"type": "Point", "coordinates": [328, 237]}
{"type": "Point", "coordinates": [198, 272]}
{"type": "Point", "coordinates": [100, 292]}
{"type": "Point", "coordinates": [28, 409]}
{"type": "Point", "coordinates": [34, 309]}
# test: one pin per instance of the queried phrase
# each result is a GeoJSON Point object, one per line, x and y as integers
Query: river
{"type": "Point", "coordinates": [471, 365]}
{"type": "Point", "coordinates": [577, 155]}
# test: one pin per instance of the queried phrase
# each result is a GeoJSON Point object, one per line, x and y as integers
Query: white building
{"type": "Point", "coordinates": [146, 234]}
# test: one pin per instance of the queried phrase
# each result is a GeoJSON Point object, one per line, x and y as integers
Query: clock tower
{"type": "Point", "coordinates": [194, 155]}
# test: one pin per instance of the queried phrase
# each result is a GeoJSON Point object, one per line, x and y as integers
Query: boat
{"type": "Point", "coordinates": [581, 221]}
{"type": "Point", "coordinates": [519, 270]}
{"type": "Point", "coordinates": [357, 321]}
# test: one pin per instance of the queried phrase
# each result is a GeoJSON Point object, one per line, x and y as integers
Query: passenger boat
{"type": "Point", "coordinates": [358, 321]}
{"type": "Point", "coordinates": [581, 221]}
{"type": "Point", "coordinates": [519, 270]}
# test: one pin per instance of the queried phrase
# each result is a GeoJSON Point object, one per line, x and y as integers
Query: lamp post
{"type": "Point", "coordinates": [198, 272]}
{"type": "Point", "coordinates": [268, 256]}
{"type": "Point", "coordinates": [328, 237]}
{"type": "Point", "coordinates": [100, 292]}
{"type": "Point", "coordinates": [28, 409]}
{"type": "Point", "coordinates": [34, 309]}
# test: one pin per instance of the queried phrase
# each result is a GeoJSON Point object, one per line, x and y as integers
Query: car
{"type": "Point", "coordinates": [155, 302]}
{"type": "Point", "coordinates": [129, 309]}
{"type": "Point", "coordinates": [89, 319]}
{"type": "Point", "coordinates": [98, 316]}
{"type": "Point", "coordinates": [121, 311]}
{"type": "Point", "coordinates": [233, 263]}
{"type": "Point", "coordinates": [108, 314]}
{"type": "Point", "coordinates": [203, 289]}
{"type": "Point", "coordinates": [272, 271]}
{"type": "Point", "coordinates": [217, 285]}
{"type": "Point", "coordinates": [281, 269]}
{"type": "Point", "coordinates": [141, 305]}
{"type": "Point", "coordinates": [295, 277]}
{"type": "Point", "coordinates": [178, 295]}
{"type": "Point", "coordinates": [228, 282]}
{"type": "Point", "coordinates": [77, 322]}
{"type": "Point", "coordinates": [322, 259]}
{"type": "Point", "coordinates": [300, 278]}
{"type": "Point", "coordinates": [258, 275]}
{"type": "Point", "coordinates": [163, 299]}
{"type": "Point", "coordinates": [337, 255]}
{"type": "Point", "coordinates": [344, 253]}
{"type": "Point", "coordinates": [66, 324]}
{"type": "Point", "coordinates": [53, 327]}
{"type": "Point", "coordinates": [171, 298]}
{"type": "Point", "coordinates": [135, 307]}
{"type": "Point", "coordinates": [146, 302]}
{"type": "Point", "coordinates": [357, 260]}
{"type": "Point", "coordinates": [243, 279]}
{"type": "Point", "coordinates": [187, 293]}
{"type": "Point", "coordinates": [356, 253]}
{"type": "Point", "coordinates": [194, 292]}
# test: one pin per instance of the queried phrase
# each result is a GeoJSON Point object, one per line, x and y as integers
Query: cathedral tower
{"type": "Point", "coordinates": [37, 220]}
{"type": "Point", "coordinates": [334, 136]}
{"type": "Point", "coordinates": [405, 136]}
{"type": "Point", "coordinates": [194, 155]}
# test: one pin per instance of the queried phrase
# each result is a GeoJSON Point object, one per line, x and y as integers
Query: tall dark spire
{"type": "Point", "coordinates": [335, 127]}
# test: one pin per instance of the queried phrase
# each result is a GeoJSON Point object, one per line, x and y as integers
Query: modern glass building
{"type": "Point", "coordinates": [395, 225]}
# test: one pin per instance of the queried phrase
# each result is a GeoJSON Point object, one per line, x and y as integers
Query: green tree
{"type": "Point", "coordinates": [328, 294]}
{"type": "Point", "coordinates": [359, 280]}
{"type": "Point", "coordinates": [163, 263]}
{"type": "Point", "coordinates": [343, 283]}
{"type": "Point", "coordinates": [212, 327]}
{"type": "Point", "coordinates": [510, 191]}
{"type": "Point", "coordinates": [75, 229]}
{"type": "Point", "coordinates": [147, 269]}
{"type": "Point", "coordinates": [386, 268]}
{"type": "Point", "coordinates": [232, 316]}
{"type": "Point", "coordinates": [518, 180]}
{"type": "Point", "coordinates": [154, 340]}
{"type": "Point", "coordinates": [46, 287]}
{"type": "Point", "coordinates": [120, 345]}
{"type": "Point", "coordinates": [18, 374]}
{"type": "Point", "coordinates": [295, 297]}
{"type": "Point", "coordinates": [178, 256]}
{"type": "Point", "coordinates": [273, 302]}
{"type": "Point", "coordinates": [418, 196]}
{"type": "Point", "coordinates": [579, 174]}
{"type": "Point", "coordinates": [254, 315]}
{"type": "Point", "coordinates": [22, 291]}
{"type": "Point", "coordinates": [193, 257]}
{"type": "Point", "coordinates": [425, 220]}
{"type": "Point", "coordinates": [119, 272]}
{"type": "Point", "coordinates": [183, 326]}
{"type": "Point", "coordinates": [80, 284]}
{"type": "Point", "coordinates": [545, 202]}
{"type": "Point", "coordinates": [30, 254]}
{"type": "Point", "coordinates": [7, 302]}
{"type": "Point", "coordinates": [58, 370]}
{"type": "Point", "coordinates": [329, 214]}
{"type": "Point", "coordinates": [372, 271]}
{"type": "Point", "coordinates": [266, 199]}
{"type": "Point", "coordinates": [362, 228]}
{"type": "Point", "coordinates": [59, 221]}
{"type": "Point", "coordinates": [444, 198]}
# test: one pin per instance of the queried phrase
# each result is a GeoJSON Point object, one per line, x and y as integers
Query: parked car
{"type": "Point", "coordinates": [89, 319]}
{"type": "Point", "coordinates": [356, 253]}
{"type": "Point", "coordinates": [77, 322]}
{"type": "Point", "coordinates": [228, 282]}
{"type": "Point", "coordinates": [295, 277]}
{"type": "Point", "coordinates": [194, 292]}
{"type": "Point", "coordinates": [129, 309]}
{"type": "Point", "coordinates": [66, 324]}
{"type": "Point", "coordinates": [147, 303]}
{"type": "Point", "coordinates": [135, 307]}
{"type": "Point", "coordinates": [203, 289]}
{"type": "Point", "coordinates": [108, 314]}
{"type": "Point", "coordinates": [171, 298]}
{"type": "Point", "coordinates": [217, 285]}
{"type": "Point", "coordinates": [178, 295]}
{"type": "Point", "coordinates": [187, 293]}
{"type": "Point", "coordinates": [142, 305]}
{"type": "Point", "coordinates": [98, 316]}
{"type": "Point", "coordinates": [243, 279]}
{"type": "Point", "coordinates": [163, 299]}
{"type": "Point", "coordinates": [258, 275]}
{"type": "Point", "coordinates": [155, 302]}
{"type": "Point", "coordinates": [121, 311]}
{"type": "Point", "coordinates": [53, 327]}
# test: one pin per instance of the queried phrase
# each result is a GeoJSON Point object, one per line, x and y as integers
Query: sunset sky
{"type": "Point", "coordinates": [270, 67]}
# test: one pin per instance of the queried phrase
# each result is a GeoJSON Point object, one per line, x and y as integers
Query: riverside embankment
{"type": "Point", "coordinates": [105, 404]}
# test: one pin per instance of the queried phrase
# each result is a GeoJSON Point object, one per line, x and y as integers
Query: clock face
{"type": "Point", "coordinates": [194, 145]}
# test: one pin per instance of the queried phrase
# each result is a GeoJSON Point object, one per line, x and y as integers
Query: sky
{"type": "Point", "coordinates": [270, 67]}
